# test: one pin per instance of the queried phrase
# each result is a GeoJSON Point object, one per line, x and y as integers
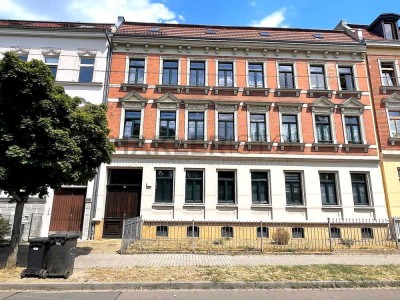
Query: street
{"type": "Point", "coordinates": [364, 294]}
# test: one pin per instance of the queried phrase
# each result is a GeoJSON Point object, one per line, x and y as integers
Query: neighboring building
{"type": "Point", "coordinates": [238, 123]}
{"type": "Point", "coordinates": [77, 55]}
{"type": "Point", "coordinates": [383, 58]}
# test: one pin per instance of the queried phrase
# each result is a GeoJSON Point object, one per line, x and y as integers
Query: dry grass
{"type": "Point", "coordinates": [99, 246]}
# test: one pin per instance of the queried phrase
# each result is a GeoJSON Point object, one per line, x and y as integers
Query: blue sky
{"type": "Point", "coordinates": [293, 13]}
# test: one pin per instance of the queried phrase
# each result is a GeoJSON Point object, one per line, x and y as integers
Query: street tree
{"type": "Point", "coordinates": [47, 138]}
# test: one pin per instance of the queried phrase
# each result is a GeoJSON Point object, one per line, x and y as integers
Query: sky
{"type": "Point", "coordinates": [322, 14]}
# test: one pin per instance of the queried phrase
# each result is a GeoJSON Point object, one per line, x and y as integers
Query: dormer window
{"type": "Point", "coordinates": [390, 31]}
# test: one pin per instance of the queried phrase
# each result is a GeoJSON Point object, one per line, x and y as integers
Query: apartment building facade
{"type": "Point", "coordinates": [381, 38]}
{"type": "Point", "coordinates": [77, 55]}
{"type": "Point", "coordinates": [238, 123]}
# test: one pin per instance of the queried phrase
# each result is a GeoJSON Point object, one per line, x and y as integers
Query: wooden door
{"type": "Point", "coordinates": [68, 210]}
{"type": "Point", "coordinates": [121, 202]}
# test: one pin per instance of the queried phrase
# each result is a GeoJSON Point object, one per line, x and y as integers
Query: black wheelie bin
{"type": "Point", "coordinates": [61, 256]}
{"type": "Point", "coordinates": [37, 257]}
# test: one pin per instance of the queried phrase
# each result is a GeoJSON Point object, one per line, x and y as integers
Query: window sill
{"type": "Point", "coordinates": [363, 207]}
{"type": "Point", "coordinates": [193, 205]}
{"type": "Point", "coordinates": [160, 204]}
{"type": "Point", "coordinates": [300, 206]}
{"type": "Point", "coordinates": [256, 91]}
{"type": "Point", "coordinates": [134, 86]}
{"type": "Point", "coordinates": [394, 140]}
{"type": "Point", "coordinates": [227, 205]}
{"type": "Point", "coordinates": [386, 89]}
{"type": "Point", "coordinates": [343, 93]}
{"type": "Point", "coordinates": [268, 145]}
{"type": "Point", "coordinates": [195, 142]}
{"type": "Point", "coordinates": [318, 93]}
{"type": "Point", "coordinates": [233, 89]}
{"type": "Point", "coordinates": [79, 83]}
{"type": "Point", "coordinates": [288, 92]}
{"type": "Point", "coordinates": [204, 88]}
{"type": "Point", "coordinates": [333, 206]}
{"type": "Point", "coordinates": [226, 143]}
{"type": "Point", "coordinates": [347, 147]}
{"type": "Point", "coordinates": [266, 205]}
{"type": "Point", "coordinates": [161, 87]}
{"type": "Point", "coordinates": [122, 141]}
{"type": "Point", "coordinates": [325, 145]}
{"type": "Point", "coordinates": [282, 145]}
{"type": "Point", "coordinates": [166, 141]}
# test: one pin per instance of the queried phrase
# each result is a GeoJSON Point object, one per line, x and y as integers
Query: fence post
{"type": "Point", "coordinates": [330, 237]}
{"type": "Point", "coordinates": [123, 234]}
{"type": "Point", "coordinates": [193, 236]}
{"type": "Point", "coordinates": [262, 235]}
{"type": "Point", "coordinates": [396, 231]}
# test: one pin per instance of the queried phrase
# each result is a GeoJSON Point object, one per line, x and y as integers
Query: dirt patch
{"type": "Point", "coordinates": [99, 246]}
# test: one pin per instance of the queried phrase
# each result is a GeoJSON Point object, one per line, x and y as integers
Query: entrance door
{"type": "Point", "coordinates": [121, 202]}
{"type": "Point", "coordinates": [68, 210]}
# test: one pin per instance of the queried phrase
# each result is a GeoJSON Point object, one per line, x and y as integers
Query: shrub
{"type": "Point", "coordinates": [281, 236]}
{"type": "Point", "coordinates": [4, 228]}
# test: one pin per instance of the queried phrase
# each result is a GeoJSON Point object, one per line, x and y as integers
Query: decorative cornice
{"type": "Point", "coordinates": [352, 106]}
{"type": "Point", "coordinates": [257, 107]}
{"type": "Point", "coordinates": [20, 50]}
{"type": "Point", "coordinates": [51, 51]}
{"type": "Point", "coordinates": [393, 101]}
{"type": "Point", "coordinates": [87, 52]}
{"type": "Point", "coordinates": [196, 106]}
{"type": "Point", "coordinates": [289, 107]}
{"type": "Point", "coordinates": [322, 105]}
{"type": "Point", "coordinates": [226, 106]}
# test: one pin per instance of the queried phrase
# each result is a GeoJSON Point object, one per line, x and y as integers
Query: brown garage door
{"type": "Point", "coordinates": [68, 210]}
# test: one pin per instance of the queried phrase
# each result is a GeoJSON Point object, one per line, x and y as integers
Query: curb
{"type": "Point", "coordinates": [196, 285]}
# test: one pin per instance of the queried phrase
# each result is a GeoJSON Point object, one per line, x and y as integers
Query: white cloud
{"type": "Point", "coordinates": [276, 19]}
{"type": "Point", "coordinates": [12, 10]}
{"type": "Point", "coordinates": [132, 10]}
{"type": "Point", "coordinates": [252, 3]}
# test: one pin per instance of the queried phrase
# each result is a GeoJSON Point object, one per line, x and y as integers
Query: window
{"type": "Point", "coordinates": [335, 233]}
{"type": "Point", "coordinates": [86, 70]}
{"type": "Point", "coordinates": [194, 187]}
{"type": "Point", "coordinates": [226, 127]}
{"type": "Point", "coordinates": [164, 185]}
{"type": "Point", "coordinates": [328, 188]}
{"type": "Point", "coordinates": [398, 173]}
{"type": "Point", "coordinates": [353, 133]}
{"type": "Point", "coordinates": [136, 71]}
{"type": "Point", "coordinates": [293, 189]}
{"type": "Point", "coordinates": [289, 128]}
{"type": "Point", "coordinates": [225, 74]}
{"type": "Point", "coordinates": [226, 187]}
{"type": "Point", "coordinates": [52, 63]}
{"type": "Point", "coordinates": [360, 191]}
{"type": "Point", "coordinates": [388, 74]}
{"type": "Point", "coordinates": [323, 126]}
{"type": "Point", "coordinates": [196, 126]}
{"type": "Point", "coordinates": [227, 232]}
{"type": "Point", "coordinates": [256, 75]}
{"type": "Point", "coordinates": [162, 231]}
{"type": "Point", "coordinates": [286, 77]}
{"type": "Point", "coordinates": [346, 78]}
{"type": "Point", "coordinates": [167, 125]}
{"type": "Point", "coordinates": [193, 231]}
{"type": "Point", "coordinates": [317, 77]}
{"type": "Point", "coordinates": [259, 187]}
{"type": "Point", "coordinates": [170, 72]}
{"type": "Point", "coordinates": [367, 233]}
{"type": "Point", "coordinates": [23, 57]}
{"type": "Point", "coordinates": [390, 31]}
{"type": "Point", "coordinates": [197, 73]}
{"type": "Point", "coordinates": [132, 124]}
{"type": "Point", "coordinates": [257, 128]}
{"type": "Point", "coordinates": [394, 122]}
{"type": "Point", "coordinates": [262, 232]}
{"type": "Point", "coordinates": [298, 233]}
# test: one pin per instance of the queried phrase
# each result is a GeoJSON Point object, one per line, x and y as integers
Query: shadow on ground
{"type": "Point", "coordinates": [22, 257]}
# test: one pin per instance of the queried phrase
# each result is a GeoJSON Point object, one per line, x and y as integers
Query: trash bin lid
{"type": "Point", "coordinates": [65, 235]}
{"type": "Point", "coordinates": [37, 240]}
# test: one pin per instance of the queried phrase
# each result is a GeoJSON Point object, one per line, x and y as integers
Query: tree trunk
{"type": "Point", "coordinates": [15, 235]}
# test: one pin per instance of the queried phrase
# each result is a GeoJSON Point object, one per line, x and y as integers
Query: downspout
{"type": "Point", "coordinates": [97, 177]}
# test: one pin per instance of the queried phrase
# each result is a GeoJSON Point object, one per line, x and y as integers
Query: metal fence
{"type": "Point", "coordinates": [265, 236]}
{"type": "Point", "coordinates": [30, 227]}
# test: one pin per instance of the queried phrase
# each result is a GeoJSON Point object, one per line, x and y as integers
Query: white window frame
{"type": "Point", "coordinates": [172, 203]}
{"type": "Point", "coordinates": [205, 70]}
{"type": "Point", "coordinates": [159, 110]}
{"type": "Point", "coordinates": [332, 125]}
{"type": "Point", "coordinates": [395, 69]}
{"type": "Point", "coordinates": [235, 120]}
{"type": "Point", "coordinates": [236, 186]}
{"type": "Point", "coordinates": [303, 188]}
{"type": "Point", "coordinates": [203, 110]}
{"type": "Point", "coordinates": [204, 186]}
{"type": "Point", "coordinates": [388, 120]}
{"type": "Point", "coordinates": [288, 62]}
{"type": "Point", "coordinates": [299, 126]}
{"type": "Point", "coordinates": [337, 187]}
{"type": "Point", "coordinates": [52, 64]}
{"type": "Point", "coordinates": [127, 63]}
{"type": "Point", "coordinates": [228, 60]}
{"type": "Point", "coordinates": [268, 171]}
{"type": "Point", "coordinates": [369, 188]}
{"type": "Point", "coordinates": [86, 65]}
{"type": "Point", "coordinates": [324, 65]}
{"type": "Point", "coordinates": [362, 127]}
{"type": "Point", "coordinates": [264, 65]}
{"type": "Point", "coordinates": [122, 124]}
{"type": "Point", "coordinates": [162, 59]}
{"type": "Point", "coordinates": [266, 114]}
{"type": "Point", "coordinates": [355, 76]}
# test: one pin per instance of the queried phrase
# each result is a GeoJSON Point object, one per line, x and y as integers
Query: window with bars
{"type": "Point", "coordinates": [317, 75]}
{"type": "Point", "coordinates": [258, 128]}
{"type": "Point", "coordinates": [227, 232]}
{"type": "Point", "coordinates": [167, 125]}
{"type": "Point", "coordinates": [335, 233]}
{"type": "Point", "coordinates": [346, 78]}
{"type": "Point", "coordinates": [86, 69]}
{"type": "Point", "coordinates": [164, 186]}
{"type": "Point", "coordinates": [226, 187]}
{"type": "Point", "coordinates": [226, 125]}
{"type": "Point", "coordinates": [394, 122]}
{"type": "Point", "coordinates": [290, 128]}
{"type": "Point", "coordinates": [256, 75]}
{"type": "Point", "coordinates": [286, 76]}
{"type": "Point", "coordinates": [225, 74]}
{"type": "Point", "coordinates": [388, 74]}
{"type": "Point", "coordinates": [367, 233]}
{"type": "Point", "coordinates": [193, 231]}
{"type": "Point", "coordinates": [323, 126]}
{"type": "Point", "coordinates": [298, 232]}
{"type": "Point", "coordinates": [293, 186]}
{"type": "Point", "coordinates": [170, 72]}
{"type": "Point", "coordinates": [360, 189]}
{"type": "Point", "coordinates": [328, 188]}
{"type": "Point", "coordinates": [197, 73]}
{"type": "Point", "coordinates": [194, 186]}
{"type": "Point", "coordinates": [162, 231]}
{"type": "Point", "coordinates": [132, 124]}
{"type": "Point", "coordinates": [195, 125]}
{"type": "Point", "coordinates": [136, 71]}
{"type": "Point", "coordinates": [263, 232]}
{"type": "Point", "coordinates": [259, 187]}
{"type": "Point", "coordinates": [52, 63]}
{"type": "Point", "coordinates": [353, 130]}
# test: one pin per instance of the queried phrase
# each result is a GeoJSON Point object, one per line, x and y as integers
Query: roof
{"type": "Point", "coordinates": [54, 25]}
{"type": "Point", "coordinates": [233, 32]}
{"type": "Point", "coordinates": [368, 35]}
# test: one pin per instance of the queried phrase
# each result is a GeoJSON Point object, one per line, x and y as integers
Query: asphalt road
{"type": "Point", "coordinates": [353, 294]}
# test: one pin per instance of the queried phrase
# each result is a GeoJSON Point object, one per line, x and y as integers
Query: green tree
{"type": "Point", "coordinates": [46, 138]}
